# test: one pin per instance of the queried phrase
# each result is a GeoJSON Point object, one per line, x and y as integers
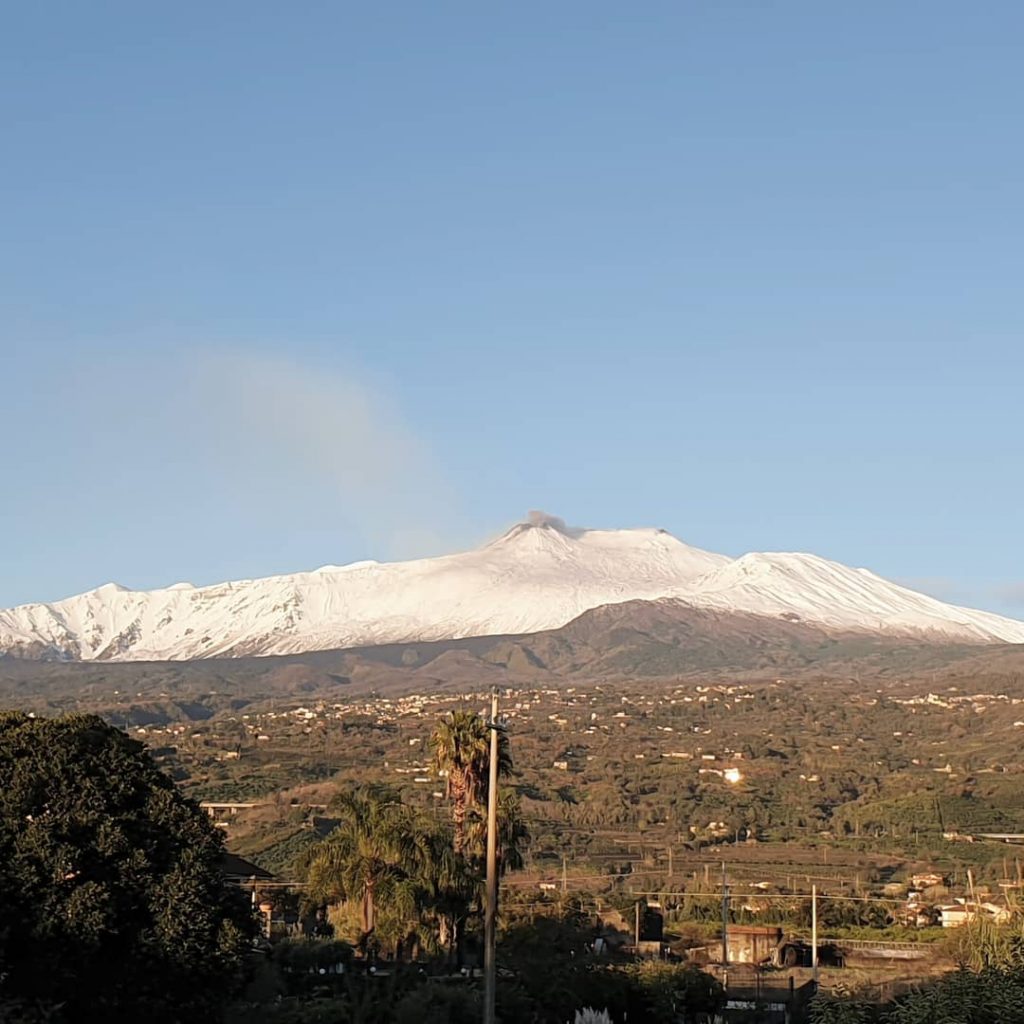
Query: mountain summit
{"type": "Point", "coordinates": [539, 575]}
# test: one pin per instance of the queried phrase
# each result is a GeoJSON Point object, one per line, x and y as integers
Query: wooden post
{"type": "Point", "coordinates": [725, 921]}
{"type": "Point", "coordinates": [814, 931]}
{"type": "Point", "coordinates": [490, 913]}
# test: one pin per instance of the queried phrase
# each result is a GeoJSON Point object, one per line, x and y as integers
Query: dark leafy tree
{"type": "Point", "coordinates": [674, 992]}
{"type": "Point", "coordinates": [114, 905]}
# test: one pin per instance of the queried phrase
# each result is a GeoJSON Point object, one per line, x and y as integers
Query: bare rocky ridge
{"type": "Point", "coordinates": [631, 642]}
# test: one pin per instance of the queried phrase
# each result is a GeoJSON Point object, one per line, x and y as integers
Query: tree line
{"type": "Point", "coordinates": [116, 908]}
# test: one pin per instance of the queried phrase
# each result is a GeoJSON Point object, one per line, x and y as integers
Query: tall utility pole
{"type": "Point", "coordinates": [725, 921]}
{"type": "Point", "coordinates": [491, 905]}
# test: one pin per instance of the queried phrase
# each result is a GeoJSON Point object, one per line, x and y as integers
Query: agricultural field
{"type": "Point", "coordinates": [651, 788]}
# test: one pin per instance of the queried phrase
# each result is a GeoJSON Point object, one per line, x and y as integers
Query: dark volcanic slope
{"type": "Point", "coordinates": [657, 640]}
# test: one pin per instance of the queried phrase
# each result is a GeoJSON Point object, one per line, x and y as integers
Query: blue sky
{"type": "Point", "coordinates": [287, 285]}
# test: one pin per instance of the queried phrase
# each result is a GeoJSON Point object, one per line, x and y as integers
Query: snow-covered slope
{"type": "Point", "coordinates": [539, 575]}
{"type": "Point", "coordinates": [807, 588]}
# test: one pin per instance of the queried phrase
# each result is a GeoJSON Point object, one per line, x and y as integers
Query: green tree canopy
{"type": "Point", "coordinates": [377, 856]}
{"type": "Point", "coordinates": [115, 908]}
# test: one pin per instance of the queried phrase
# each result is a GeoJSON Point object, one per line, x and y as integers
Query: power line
{"type": "Point", "coordinates": [781, 896]}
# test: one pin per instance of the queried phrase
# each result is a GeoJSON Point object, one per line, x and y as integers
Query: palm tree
{"type": "Point", "coordinates": [461, 746]}
{"type": "Point", "coordinates": [513, 834]}
{"type": "Point", "coordinates": [449, 889]}
{"type": "Point", "coordinates": [376, 856]}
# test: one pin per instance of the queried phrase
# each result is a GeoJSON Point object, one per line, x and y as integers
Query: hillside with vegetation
{"type": "Point", "coordinates": [629, 644]}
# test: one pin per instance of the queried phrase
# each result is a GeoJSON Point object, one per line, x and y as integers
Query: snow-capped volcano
{"type": "Point", "coordinates": [539, 575]}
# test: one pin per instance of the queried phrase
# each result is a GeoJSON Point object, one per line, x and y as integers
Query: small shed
{"type": "Point", "coordinates": [752, 945]}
